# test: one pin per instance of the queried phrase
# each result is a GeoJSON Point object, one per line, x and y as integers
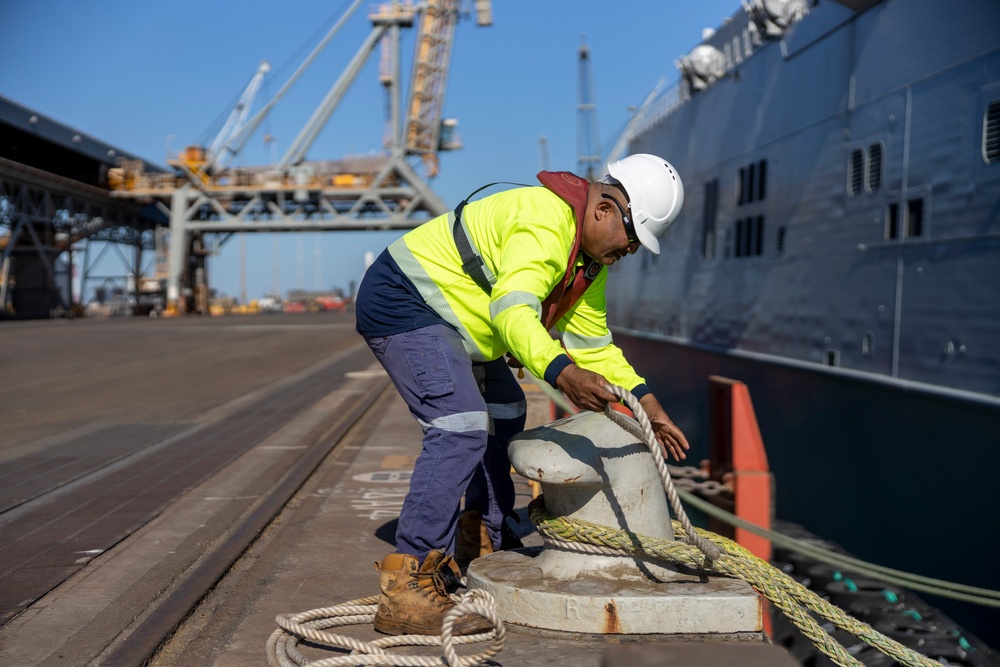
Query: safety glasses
{"type": "Point", "coordinates": [626, 221]}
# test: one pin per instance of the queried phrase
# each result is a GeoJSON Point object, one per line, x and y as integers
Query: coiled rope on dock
{"type": "Point", "coordinates": [708, 551]}
{"type": "Point", "coordinates": [282, 645]}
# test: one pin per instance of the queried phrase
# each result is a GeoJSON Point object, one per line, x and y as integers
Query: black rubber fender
{"type": "Point", "coordinates": [906, 629]}
{"type": "Point", "coordinates": [850, 590]}
{"type": "Point", "coordinates": [822, 575]}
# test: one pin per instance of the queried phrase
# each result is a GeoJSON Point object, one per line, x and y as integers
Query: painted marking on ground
{"type": "Point", "coordinates": [379, 504]}
{"type": "Point", "coordinates": [390, 476]}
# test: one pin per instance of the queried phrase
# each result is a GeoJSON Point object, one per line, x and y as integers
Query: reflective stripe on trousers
{"type": "Point", "coordinates": [433, 374]}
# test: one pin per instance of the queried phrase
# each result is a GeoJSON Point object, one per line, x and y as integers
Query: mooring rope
{"type": "Point", "coordinates": [645, 434]}
{"type": "Point", "coordinates": [972, 594]}
{"type": "Point", "coordinates": [282, 645]}
{"type": "Point", "coordinates": [694, 548]}
{"type": "Point", "coordinates": [731, 560]}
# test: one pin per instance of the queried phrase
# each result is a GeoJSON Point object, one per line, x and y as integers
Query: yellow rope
{"type": "Point", "coordinates": [791, 597]}
{"type": "Point", "coordinates": [701, 549]}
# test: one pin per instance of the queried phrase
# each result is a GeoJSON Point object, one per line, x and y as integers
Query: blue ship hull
{"type": "Point", "coordinates": [896, 476]}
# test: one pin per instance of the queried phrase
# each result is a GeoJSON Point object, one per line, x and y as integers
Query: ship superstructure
{"type": "Point", "coordinates": [843, 190]}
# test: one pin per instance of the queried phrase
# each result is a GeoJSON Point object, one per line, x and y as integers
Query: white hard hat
{"type": "Point", "coordinates": [655, 194]}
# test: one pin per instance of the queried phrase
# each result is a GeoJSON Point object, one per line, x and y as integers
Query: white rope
{"type": "Point", "coordinates": [282, 645]}
{"type": "Point", "coordinates": [648, 438]}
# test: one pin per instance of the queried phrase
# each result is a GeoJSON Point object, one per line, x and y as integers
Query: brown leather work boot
{"type": "Point", "coordinates": [473, 539]}
{"type": "Point", "coordinates": [448, 568]}
{"type": "Point", "coordinates": [414, 600]}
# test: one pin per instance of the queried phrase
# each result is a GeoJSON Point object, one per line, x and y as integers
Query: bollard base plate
{"type": "Point", "coordinates": [687, 604]}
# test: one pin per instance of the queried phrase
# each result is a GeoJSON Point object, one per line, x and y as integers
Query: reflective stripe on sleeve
{"type": "Point", "coordinates": [574, 341]}
{"type": "Point", "coordinates": [517, 298]}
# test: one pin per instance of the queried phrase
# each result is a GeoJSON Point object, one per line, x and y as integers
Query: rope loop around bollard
{"type": "Point", "coordinates": [723, 556]}
{"type": "Point", "coordinates": [648, 437]}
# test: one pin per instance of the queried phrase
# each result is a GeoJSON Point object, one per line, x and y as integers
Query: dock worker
{"type": "Point", "coordinates": [444, 304]}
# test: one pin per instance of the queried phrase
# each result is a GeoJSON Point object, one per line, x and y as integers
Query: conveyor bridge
{"type": "Point", "coordinates": [54, 195]}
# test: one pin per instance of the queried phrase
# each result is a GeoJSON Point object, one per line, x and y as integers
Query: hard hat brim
{"type": "Point", "coordinates": [647, 239]}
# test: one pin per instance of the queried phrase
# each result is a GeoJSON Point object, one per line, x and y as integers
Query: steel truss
{"type": "Point", "coordinates": [44, 216]}
{"type": "Point", "coordinates": [389, 195]}
{"type": "Point", "coordinates": [397, 199]}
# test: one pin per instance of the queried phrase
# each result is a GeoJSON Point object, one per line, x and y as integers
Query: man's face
{"type": "Point", "coordinates": [604, 236]}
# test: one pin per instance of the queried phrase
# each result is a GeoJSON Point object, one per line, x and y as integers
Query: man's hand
{"type": "Point", "coordinates": [587, 390]}
{"type": "Point", "coordinates": [584, 388]}
{"type": "Point", "coordinates": [673, 440]}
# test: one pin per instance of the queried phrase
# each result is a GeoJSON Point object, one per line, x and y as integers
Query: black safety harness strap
{"type": "Point", "coordinates": [472, 261]}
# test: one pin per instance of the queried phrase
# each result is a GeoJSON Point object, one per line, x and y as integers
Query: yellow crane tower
{"type": "Point", "coordinates": [426, 131]}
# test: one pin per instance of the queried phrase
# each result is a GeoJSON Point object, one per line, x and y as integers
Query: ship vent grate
{"type": "Point", "coordinates": [874, 167]}
{"type": "Point", "coordinates": [991, 133]}
{"type": "Point", "coordinates": [855, 171]}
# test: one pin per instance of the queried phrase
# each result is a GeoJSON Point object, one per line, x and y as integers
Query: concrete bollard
{"type": "Point", "coordinates": [591, 469]}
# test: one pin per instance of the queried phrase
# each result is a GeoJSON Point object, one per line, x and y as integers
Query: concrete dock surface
{"type": "Point", "coordinates": [320, 549]}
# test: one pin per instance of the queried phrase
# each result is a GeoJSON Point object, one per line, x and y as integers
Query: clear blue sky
{"type": "Point", "coordinates": [145, 76]}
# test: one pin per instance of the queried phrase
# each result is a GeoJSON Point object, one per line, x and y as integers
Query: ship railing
{"type": "Point", "coordinates": [661, 107]}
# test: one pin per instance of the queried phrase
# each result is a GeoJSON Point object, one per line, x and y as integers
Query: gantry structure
{"type": "Point", "coordinates": [54, 202]}
{"type": "Point", "coordinates": [206, 197]}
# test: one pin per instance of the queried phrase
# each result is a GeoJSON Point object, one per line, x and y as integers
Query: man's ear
{"type": "Point", "coordinates": [603, 209]}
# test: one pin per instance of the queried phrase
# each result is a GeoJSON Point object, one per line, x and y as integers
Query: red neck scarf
{"type": "Point", "coordinates": [573, 190]}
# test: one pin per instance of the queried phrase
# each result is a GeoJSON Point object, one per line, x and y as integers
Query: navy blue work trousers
{"type": "Point", "coordinates": [466, 431]}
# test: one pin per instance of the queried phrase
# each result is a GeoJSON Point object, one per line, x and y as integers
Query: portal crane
{"type": "Point", "coordinates": [361, 192]}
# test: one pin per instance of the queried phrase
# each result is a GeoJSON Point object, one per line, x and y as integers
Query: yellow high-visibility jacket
{"type": "Point", "coordinates": [524, 237]}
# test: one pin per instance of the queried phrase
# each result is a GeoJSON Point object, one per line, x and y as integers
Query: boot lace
{"type": "Point", "coordinates": [437, 587]}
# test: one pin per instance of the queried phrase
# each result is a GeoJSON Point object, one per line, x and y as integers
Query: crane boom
{"type": "Point", "coordinates": [239, 137]}
{"type": "Point", "coordinates": [297, 151]}
{"type": "Point", "coordinates": [221, 149]}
